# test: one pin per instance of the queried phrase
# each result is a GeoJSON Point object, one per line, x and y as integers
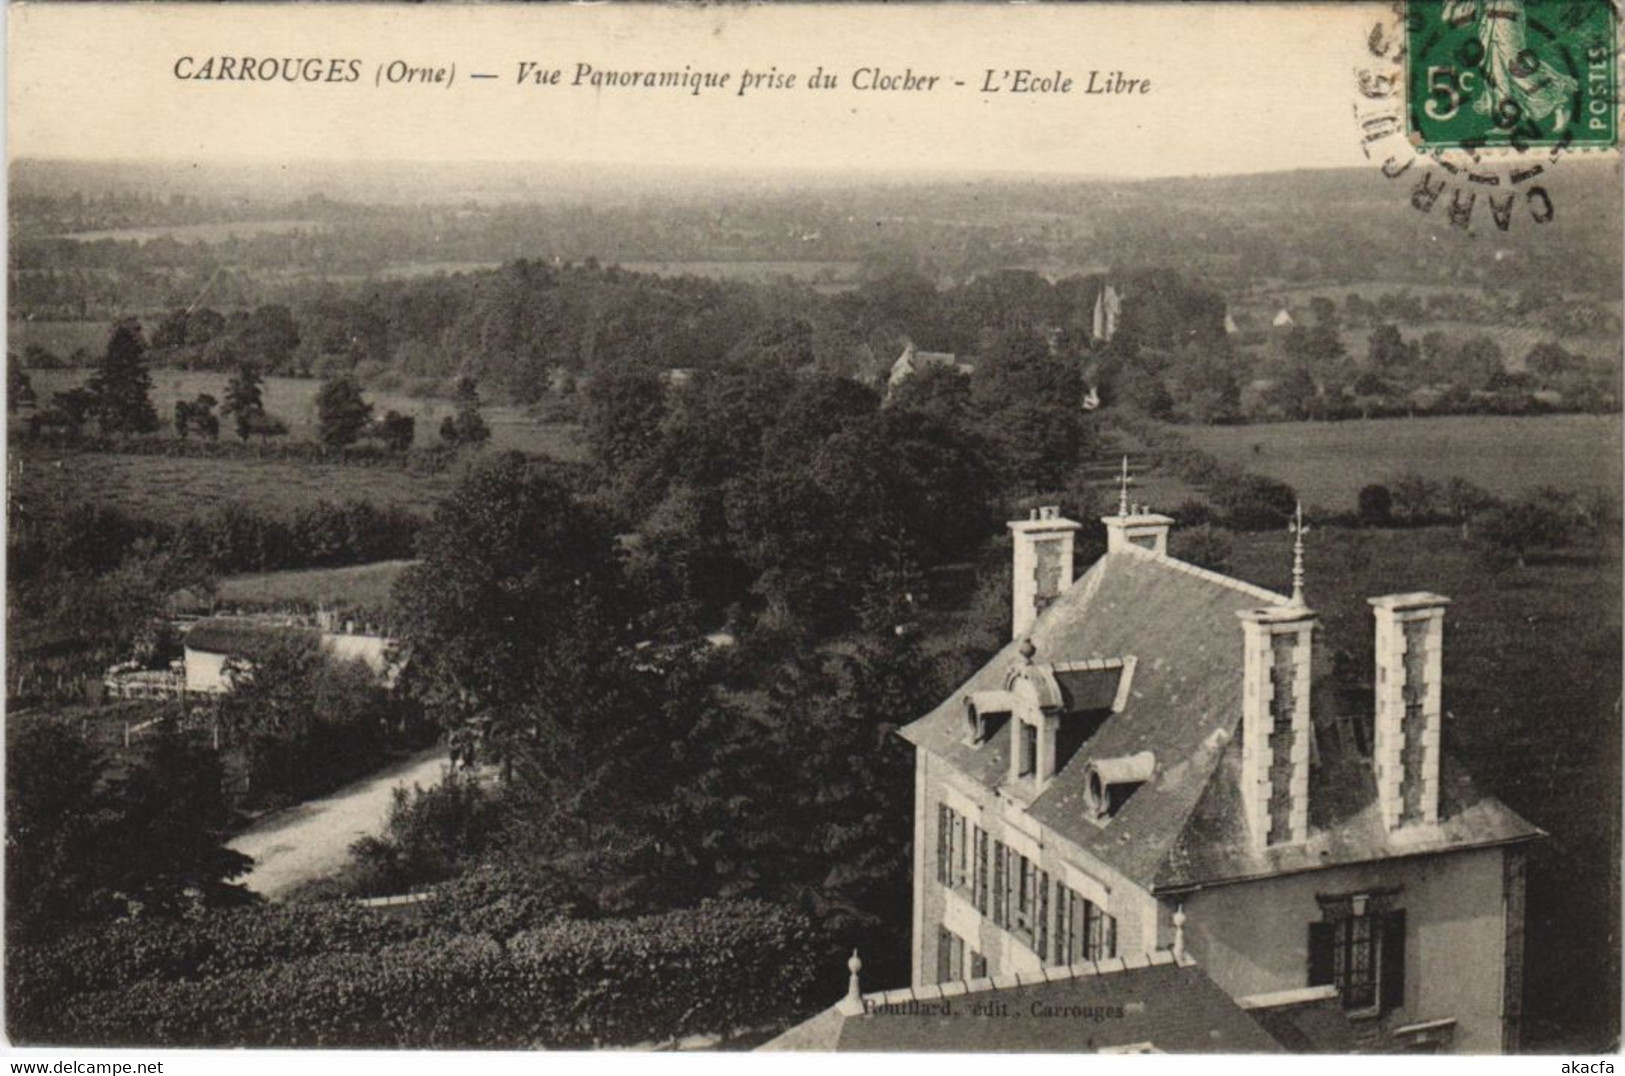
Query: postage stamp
{"type": "Point", "coordinates": [1486, 74]}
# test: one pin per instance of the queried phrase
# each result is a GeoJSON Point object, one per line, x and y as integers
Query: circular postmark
{"type": "Point", "coordinates": [1472, 102]}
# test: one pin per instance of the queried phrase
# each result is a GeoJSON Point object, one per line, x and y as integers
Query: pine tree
{"type": "Point", "coordinates": [122, 386]}
{"type": "Point", "coordinates": [245, 401]}
{"type": "Point", "coordinates": [341, 412]}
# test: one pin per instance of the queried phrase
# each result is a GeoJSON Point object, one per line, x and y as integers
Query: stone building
{"type": "Point", "coordinates": [1145, 759]}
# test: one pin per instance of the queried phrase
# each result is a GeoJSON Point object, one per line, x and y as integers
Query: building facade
{"type": "Point", "coordinates": [1146, 759]}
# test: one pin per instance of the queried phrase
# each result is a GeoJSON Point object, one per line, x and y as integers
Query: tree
{"type": "Point", "coordinates": [1253, 502]}
{"type": "Point", "coordinates": [938, 390]}
{"type": "Point", "coordinates": [122, 386]}
{"type": "Point", "coordinates": [397, 431]}
{"type": "Point", "coordinates": [1552, 360]}
{"type": "Point", "coordinates": [304, 722]}
{"type": "Point", "coordinates": [197, 415]}
{"type": "Point", "coordinates": [83, 844]}
{"type": "Point", "coordinates": [1524, 526]}
{"type": "Point", "coordinates": [173, 804]}
{"type": "Point", "coordinates": [341, 412]}
{"type": "Point", "coordinates": [1376, 505]}
{"type": "Point", "coordinates": [263, 426]}
{"type": "Point", "coordinates": [1479, 362]}
{"type": "Point", "coordinates": [1205, 546]}
{"type": "Point", "coordinates": [467, 427]}
{"type": "Point", "coordinates": [1462, 501]}
{"type": "Point", "coordinates": [1416, 497]}
{"type": "Point", "coordinates": [625, 409]}
{"type": "Point", "coordinates": [245, 400]}
{"type": "Point", "coordinates": [1031, 404]}
{"type": "Point", "coordinates": [1389, 352]}
{"type": "Point", "coordinates": [514, 604]}
{"type": "Point", "coordinates": [58, 816]}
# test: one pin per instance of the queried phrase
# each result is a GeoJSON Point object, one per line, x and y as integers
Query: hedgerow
{"type": "Point", "coordinates": [322, 979]}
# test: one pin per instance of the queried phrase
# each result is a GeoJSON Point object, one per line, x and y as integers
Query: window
{"type": "Point", "coordinates": [950, 956]}
{"type": "Point", "coordinates": [978, 966]}
{"type": "Point", "coordinates": [1021, 897]}
{"type": "Point", "coordinates": [1359, 947]}
{"type": "Point", "coordinates": [1083, 930]}
{"type": "Point", "coordinates": [1029, 750]}
{"type": "Point", "coordinates": [953, 848]}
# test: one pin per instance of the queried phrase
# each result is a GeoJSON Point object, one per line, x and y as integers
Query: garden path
{"type": "Point", "coordinates": [312, 840]}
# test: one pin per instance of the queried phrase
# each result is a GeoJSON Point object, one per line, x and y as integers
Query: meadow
{"type": "Point", "coordinates": [1329, 462]}
{"type": "Point", "coordinates": [292, 399]}
{"type": "Point", "coordinates": [361, 587]}
{"type": "Point", "coordinates": [61, 338]}
{"type": "Point", "coordinates": [215, 232]}
{"type": "Point", "coordinates": [172, 487]}
{"type": "Point", "coordinates": [1532, 689]}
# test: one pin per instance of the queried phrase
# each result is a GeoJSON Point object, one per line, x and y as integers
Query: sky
{"type": "Point", "coordinates": [1234, 88]}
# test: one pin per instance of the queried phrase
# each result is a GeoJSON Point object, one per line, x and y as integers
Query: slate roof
{"type": "Point", "coordinates": [1172, 1007]}
{"type": "Point", "coordinates": [913, 361]}
{"type": "Point", "coordinates": [1184, 827]}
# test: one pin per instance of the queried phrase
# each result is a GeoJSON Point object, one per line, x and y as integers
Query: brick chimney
{"type": "Point", "coordinates": [1275, 731]}
{"type": "Point", "coordinates": [1409, 690]}
{"type": "Point", "coordinates": [1043, 565]}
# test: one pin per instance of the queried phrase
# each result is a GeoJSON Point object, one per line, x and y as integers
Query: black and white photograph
{"type": "Point", "coordinates": [918, 528]}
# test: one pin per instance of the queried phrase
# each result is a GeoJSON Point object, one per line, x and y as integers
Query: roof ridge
{"type": "Point", "coordinates": [1047, 974]}
{"type": "Point", "coordinates": [1219, 578]}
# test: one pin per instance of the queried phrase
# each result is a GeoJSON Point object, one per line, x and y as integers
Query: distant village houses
{"type": "Point", "coordinates": [913, 361]}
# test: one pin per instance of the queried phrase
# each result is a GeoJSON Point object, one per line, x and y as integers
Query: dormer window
{"type": "Point", "coordinates": [985, 711]}
{"type": "Point", "coordinates": [1111, 781]}
{"type": "Point", "coordinates": [1028, 746]}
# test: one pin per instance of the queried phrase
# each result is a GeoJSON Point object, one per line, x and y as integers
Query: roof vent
{"type": "Point", "coordinates": [1112, 780]}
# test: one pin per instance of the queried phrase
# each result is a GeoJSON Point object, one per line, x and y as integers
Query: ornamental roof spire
{"type": "Point", "coordinates": [1298, 528]}
{"type": "Point", "coordinates": [1122, 490]}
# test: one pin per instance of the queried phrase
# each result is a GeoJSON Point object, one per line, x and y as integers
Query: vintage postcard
{"type": "Point", "coordinates": [880, 528]}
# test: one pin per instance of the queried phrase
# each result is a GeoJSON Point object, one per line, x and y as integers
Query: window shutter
{"type": "Point", "coordinates": [1041, 946]}
{"type": "Point", "coordinates": [1393, 960]}
{"type": "Point", "coordinates": [1000, 894]}
{"type": "Point", "coordinates": [942, 844]}
{"type": "Point", "coordinates": [979, 889]}
{"type": "Point", "coordinates": [1322, 937]}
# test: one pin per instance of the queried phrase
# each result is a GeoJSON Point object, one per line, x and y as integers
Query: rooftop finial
{"type": "Point", "coordinates": [1122, 490]}
{"type": "Point", "coordinates": [853, 1002]}
{"type": "Point", "coordinates": [1179, 933]}
{"type": "Point", "coordinates": [1298, 528]}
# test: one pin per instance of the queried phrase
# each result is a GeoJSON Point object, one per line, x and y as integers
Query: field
{"type": "Point", "coordinates": [292, 399]}
{"type": "Point", "coordinates": [61, 338]}
{"type": "Point", "coordinates": [1532, 689]}
{"type": "Point", "coordinates": [170, 487]}
{"type": "Point", "coordinates": [1329, 462]}
{"type": "Point", "coordinates": [201, 233]}
{"type": "Point", "coordinates": [812, 272]}
{"type": "Point", "coordinates": [361, 587]}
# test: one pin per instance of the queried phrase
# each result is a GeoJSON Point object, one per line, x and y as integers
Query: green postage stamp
{"type": "Point", "coordinates": [1484, 74]}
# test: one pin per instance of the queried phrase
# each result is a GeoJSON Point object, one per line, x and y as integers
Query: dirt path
{"type": "Point", "coordinates": [313, 839]}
